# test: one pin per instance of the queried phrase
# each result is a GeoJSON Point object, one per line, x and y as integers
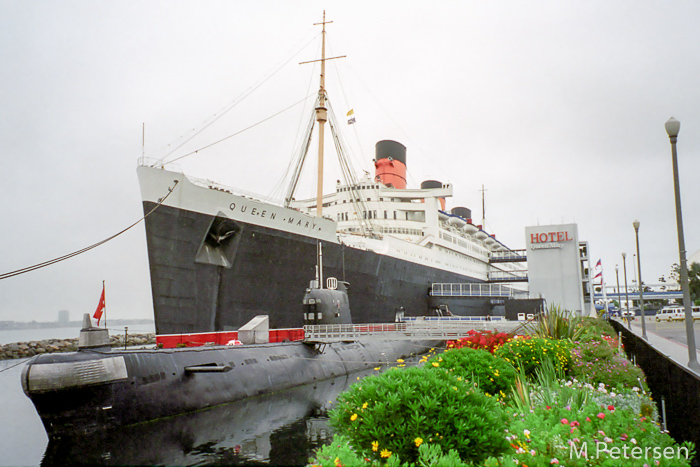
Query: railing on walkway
{"type": "Point", "coordinates": [508, 276]}
{"type": "Point", "coordinates": [442, 329]}
{"type": "Point", "coordinates": [508, 256]}
{"type": "Point", "coordinates": [468, 289]}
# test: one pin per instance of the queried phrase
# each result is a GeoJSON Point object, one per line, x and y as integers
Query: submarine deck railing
{"type": "Point", "coordinates": [438, 330]}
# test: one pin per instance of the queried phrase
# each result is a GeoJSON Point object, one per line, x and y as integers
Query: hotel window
{"type": "Point", "coordinates": [386, 215]}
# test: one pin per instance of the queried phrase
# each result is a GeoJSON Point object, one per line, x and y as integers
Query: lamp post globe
{"type": "Point", "coordinates": [673, 126]}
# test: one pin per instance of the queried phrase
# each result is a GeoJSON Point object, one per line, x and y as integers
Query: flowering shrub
{"type": "Point", "coordinates": [529, 354]}
{"type": "Point", "coordinates": [395, 412]}
{"type": "Point", "coordinates": [485, 340]}
{"type": "Point", "coordinates": [595, 362]}
{"type": "Point", "coordinates": [583, 425]}
{"type": "Point", "coordinates": [491, 374]}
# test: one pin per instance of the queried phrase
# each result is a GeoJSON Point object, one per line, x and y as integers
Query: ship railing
{"type": "Point", "coordinates": [470, 289]}
{"type": "Point", "coordinates": [437, 330]}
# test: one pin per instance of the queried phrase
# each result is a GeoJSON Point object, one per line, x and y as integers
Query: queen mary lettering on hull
{"type": "Point", "coordinates": [218, 259]}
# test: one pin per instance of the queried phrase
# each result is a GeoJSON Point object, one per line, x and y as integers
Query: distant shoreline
{"type": "Point", "coordinates": [20, 325]}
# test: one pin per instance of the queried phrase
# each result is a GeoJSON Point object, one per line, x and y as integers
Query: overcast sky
{"type": "Point", "coordinates": [557, 108]}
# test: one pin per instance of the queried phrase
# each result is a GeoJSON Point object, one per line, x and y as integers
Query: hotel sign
{"type": "Point", "coordinates": [546, 240]}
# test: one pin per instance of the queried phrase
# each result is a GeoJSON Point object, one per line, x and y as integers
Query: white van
{"type": "Point", "coordinates": [695, 309]}
{"type": "Point", "coordinates": [670, 313]}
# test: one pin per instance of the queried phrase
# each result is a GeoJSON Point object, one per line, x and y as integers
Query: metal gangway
{"type": "Point", "coordinates": [419, 329]}
{"type": "Point", "coordinates": [471, 289]}
{"type": "Point", "coordinates": [507, 276]}
{"type": "Point", "coordinates": [508, 256]}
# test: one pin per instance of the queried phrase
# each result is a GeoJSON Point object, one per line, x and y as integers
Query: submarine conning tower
{"type": "Point", "coordinates": [327, 306]}
{"type": "Point", "coordinates": [390, 164]}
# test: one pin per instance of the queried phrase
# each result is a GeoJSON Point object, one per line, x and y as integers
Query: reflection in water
{"type": "Point", "coordinates": [278, 429]}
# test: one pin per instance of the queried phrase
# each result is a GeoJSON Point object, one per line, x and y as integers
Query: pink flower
{"type": "Point", "coordinates": [554, 461]}
{"type": "Point", "coordinates": [574, 423]}
{"type": "Point", "coordinates": [601, 415]}
{"type": "Point", "coordinates": [588, 419]}
{"type": "Point", "coordinates": [572, 430]}
{"type": "Point", "coordinates": [548, 407]}
{"type": "Point", "coordinates": [564, 421]}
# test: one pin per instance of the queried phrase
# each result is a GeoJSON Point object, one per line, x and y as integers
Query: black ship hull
{"type": "Point", "coordinates": [201, 285]}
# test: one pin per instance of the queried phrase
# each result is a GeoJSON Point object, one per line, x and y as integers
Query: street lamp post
{"type": "Point", "coordinates": [639, 278]}
{"type": "Point", "coordinates": [672, 128]}
{"type": "Point", "coordinates": [627, 298]}
{"type": "Point", "coordinates": [617, 278]}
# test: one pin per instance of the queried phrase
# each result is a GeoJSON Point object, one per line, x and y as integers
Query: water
{"type": "Point", "coordinates": [22, 436]}
{"type": "Point", "coordinates": [25, 335]}
{"type": "Point", "coordinates": [280, 429]}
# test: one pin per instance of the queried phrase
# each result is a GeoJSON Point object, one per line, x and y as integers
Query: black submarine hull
{"type": "Point", "coordinates": [90, 390]}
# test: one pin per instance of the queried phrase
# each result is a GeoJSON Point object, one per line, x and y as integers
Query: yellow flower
{"type": "Point", "coordinates": [377, 368]}
{"type": "Point", "coordinates": [385, 453]}
{"type": "Point", "coordinates": [375, 446]}
{"type": "Point", "coordinates": [399, 360]}
{"type": "Point", "coordinates": [418, 441]}
{"type": "Point", "coordinates": [364, 406]}
{"type": "Point", "coordinates": [353, 417]}
{"type": "Point", "coordinates": [436, 364]}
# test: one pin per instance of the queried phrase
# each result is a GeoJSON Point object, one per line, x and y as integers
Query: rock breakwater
{"type": "Point", "coordinates": [31, 348]}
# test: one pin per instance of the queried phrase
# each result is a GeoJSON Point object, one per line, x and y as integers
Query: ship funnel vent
{"type": "Point", "coordinates": [220, 242]}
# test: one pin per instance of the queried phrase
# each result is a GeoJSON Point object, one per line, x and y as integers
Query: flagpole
{"type": "Point", "coordinates": [105, 307]}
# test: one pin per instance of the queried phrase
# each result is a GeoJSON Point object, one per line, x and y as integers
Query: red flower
{"type": "Point", "coordinates": [611, 408]}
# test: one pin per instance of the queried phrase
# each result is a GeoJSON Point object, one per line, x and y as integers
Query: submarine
{"type": "Point", "coordinates": [99, 387]}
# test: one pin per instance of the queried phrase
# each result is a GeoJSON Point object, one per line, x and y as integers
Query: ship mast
{"type": "Point", "coordinates": [321, 114]}
{"type": "Point", "coordinates": [321, 118]}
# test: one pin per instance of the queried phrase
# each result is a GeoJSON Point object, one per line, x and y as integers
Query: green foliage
{"type": "Point", "coordinates": [529, 354]}
{"type": "Point", "coordinates": [595, 328]}
{"type": "Point", "coordinates": [556, 323]}
{"type": "Point", "coordinates": [341, 453]}
{"type": "Point", "coordinates": [398, 410]}
{"type": "Point", "coordinates": [491, 374]}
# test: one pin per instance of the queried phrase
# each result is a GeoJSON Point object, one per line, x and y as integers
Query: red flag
{"type": "Point", "coordinates": [100, 307]}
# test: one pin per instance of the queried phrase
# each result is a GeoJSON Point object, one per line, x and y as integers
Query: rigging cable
{"type": "Point", "coordinates": [236, 101]}
{"type": "Point", "coordinates": [95, 245]}
{"type": "Point", "coordinates": [239, 132]}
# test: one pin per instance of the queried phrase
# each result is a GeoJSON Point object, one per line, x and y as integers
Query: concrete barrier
{"type": "Point", "coordinates": [678, 386]}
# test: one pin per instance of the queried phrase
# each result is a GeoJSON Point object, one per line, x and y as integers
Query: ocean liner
{"type": "Point", "coordinates": [218, 258]}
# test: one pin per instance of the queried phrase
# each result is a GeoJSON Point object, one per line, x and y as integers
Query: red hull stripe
{"type": "Point", "coordinates": [170, 341]}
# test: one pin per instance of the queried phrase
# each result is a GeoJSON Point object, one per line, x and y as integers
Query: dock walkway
{"type": "Point", "coordinates": [673, 350]}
